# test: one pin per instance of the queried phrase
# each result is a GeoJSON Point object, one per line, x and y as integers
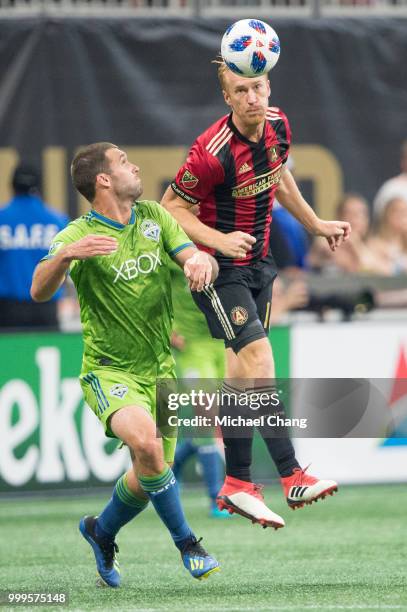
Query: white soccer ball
{"type": "Point", "coordinates": [250, 47]}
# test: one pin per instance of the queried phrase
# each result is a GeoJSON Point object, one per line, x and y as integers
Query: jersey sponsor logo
{"type": "Point", "coordinates": [273, 153]}
{"type": "Point", "coordinates": [188, 180]}
{"type": "Point", "coordinates": [253, 186]}
{"type": "Point", "coordinates": [244, 168]}
{"type": "Point", "coordinates": [118, 390]}
{"type": "Point", "coordinates": [150, 229]}
{"type": "Point", "coordinates": [22, 236]}
{"type": "Point", "coordinates": [143, 264]}
{"type": "Point", "coordinates": [239, 315]}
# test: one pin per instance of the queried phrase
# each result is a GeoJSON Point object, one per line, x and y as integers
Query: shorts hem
{"type": "Point", "coordinates": [238, 343]}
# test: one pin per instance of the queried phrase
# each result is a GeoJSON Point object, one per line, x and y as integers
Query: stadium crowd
{"type": "Point", "coordinates": [377, 247]}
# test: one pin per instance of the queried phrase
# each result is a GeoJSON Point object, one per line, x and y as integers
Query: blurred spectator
{"type": "Point", "coordinates": [27, 228]}
{"type": "Point", "coordinates": [395, 187]}
{"type": "Point", "coordinates": [289, 241]}
{"type": "Point", "coordinates": [389, 240]}
{"type": "Point", "coordinates": [356, 256]}
{"type": "Point", "coordinates": [286, 297]}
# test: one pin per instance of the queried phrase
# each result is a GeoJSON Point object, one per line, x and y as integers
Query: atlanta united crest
{"type": "Point", "coordinates": [273, 153]}
{"type": "Point", "coordinates": [150, 229]}
{"type": "Point", "coordinates": [239, 315]}
{"type": "Point", "coordinates": [189, 181]}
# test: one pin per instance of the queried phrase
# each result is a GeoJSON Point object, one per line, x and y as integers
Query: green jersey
{"type": "Point", "coordinates": [189, 321]}
{"type": "Point", "coordinates": [125, 298]}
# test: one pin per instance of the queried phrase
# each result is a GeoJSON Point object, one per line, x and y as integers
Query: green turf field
{"type": "Point", "coordinates": [345, 553]}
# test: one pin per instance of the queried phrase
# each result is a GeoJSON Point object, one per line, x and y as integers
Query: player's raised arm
{"type": "Point", "coordinates": [50, 274]}
{"type": "Point", "coordinates": [200, 268]}
{"type": "Point", "coordinates": [291, 198]}
{"type": "Point", "coordinates": [234, 244]}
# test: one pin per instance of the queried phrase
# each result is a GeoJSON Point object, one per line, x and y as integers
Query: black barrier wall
{"type": "Point", "coordinates": [150, 84]}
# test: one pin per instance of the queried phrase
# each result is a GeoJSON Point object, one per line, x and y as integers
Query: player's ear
{"type": "Point", "coordinates": [103, 180]}
{"type": "Point", "coordinates": [226, 97]}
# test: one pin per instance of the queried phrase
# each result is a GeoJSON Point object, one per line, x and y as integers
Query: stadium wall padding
{"type": "Point", "coordinates": [148, 84]}
{"type": "Point", "coordinates": [50, 440]}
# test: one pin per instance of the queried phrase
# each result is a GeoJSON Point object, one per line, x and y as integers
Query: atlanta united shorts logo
{"type": "Point", "coordinates": [239, 315]}
{"type": "Point", "coordinates": [118, 390]}
{"type": "Point", "coordinates": [150, 229]}
{"type": "Point", "coordinates": [189, 181]}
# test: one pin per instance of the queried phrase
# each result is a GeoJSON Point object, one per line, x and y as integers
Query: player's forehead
{"type": "Point", "coordinates": [235, 81]}
{"type": "Point", "coordinates": [115, 154]}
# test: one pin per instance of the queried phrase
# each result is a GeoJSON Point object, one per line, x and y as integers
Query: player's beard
{"type": "Point", "coordinates": [132, 191]}
{"type": "Point", "coordinates": [255, 118]}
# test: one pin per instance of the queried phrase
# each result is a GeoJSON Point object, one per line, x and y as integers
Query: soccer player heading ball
{"type": "Point", "coordinates": [233, 171]}
{"type": "Point", "coordinates": [117, 258]}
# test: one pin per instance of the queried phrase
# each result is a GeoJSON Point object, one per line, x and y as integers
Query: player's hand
{"type": "Point", "coordinates": [236, 244]}
{"type": "Point", "coordinates": [198, 270]}
{"type": "Point", "coordinates": [335, 232]}
{"type": "Point", "coordinates": [91, 246]}
{"type": "Point", "coordinates": [177, 341]}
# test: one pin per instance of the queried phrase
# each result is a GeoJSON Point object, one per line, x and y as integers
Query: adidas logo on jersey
{"type": "Point", "coordinates": [244, 168]}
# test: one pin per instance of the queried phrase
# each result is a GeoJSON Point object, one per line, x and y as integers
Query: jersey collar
{"type": "Point", "coordinates": [112, 222]}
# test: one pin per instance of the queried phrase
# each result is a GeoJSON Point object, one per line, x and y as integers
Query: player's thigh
{"type": "Point", "coordinates": [231, 314]}
{"type": "Point", "coordinates": [164, 418]}
{"type": "Point", "coordinates": [109, 391]}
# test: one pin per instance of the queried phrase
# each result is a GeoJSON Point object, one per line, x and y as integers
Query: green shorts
{"type": "Point", "coordinates": [106, 391]}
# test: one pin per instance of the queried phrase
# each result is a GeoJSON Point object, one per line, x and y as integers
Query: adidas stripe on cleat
{"type": "Point", "coordinates": [301, 488]}
{"type": "Point", "coordinates": [104, 551]}
{"type": "Point", "coordinates": [246, 499]}
{"type": "Point", "coordinates": [197, 561]}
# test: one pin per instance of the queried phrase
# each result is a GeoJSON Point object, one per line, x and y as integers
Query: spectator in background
{"type": "Point", "coordinates": [357, 255]}
{"type": "Point", "coordinates": [289, 241]}
{"type": "Point", "coordinates": [27, 228]}
{"type": "Point", "coordinates": [389, 240]}
{"type": "Point", "coordinates": [394, 187]}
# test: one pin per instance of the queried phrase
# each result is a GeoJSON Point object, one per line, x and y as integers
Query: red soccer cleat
{"type": "Point", "coordinates": [246, 499]}
{"type": "Point", "coordinates": [301, 488]}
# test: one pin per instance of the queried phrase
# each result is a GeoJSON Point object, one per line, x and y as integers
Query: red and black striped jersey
{"type": "Point", "coordinates": [234, 180]}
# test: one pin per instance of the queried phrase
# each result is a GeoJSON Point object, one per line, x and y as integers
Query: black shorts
{"type": "Point", "coordinates": [237, 305]}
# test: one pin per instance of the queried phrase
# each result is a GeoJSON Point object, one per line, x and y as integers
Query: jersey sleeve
{"type": "Point", "coordinates": [198, 176]}
{"type": "Point", "coordinates": [173, 237]}
{"type": "Point", "coordinates": [71, 233]}
{"type": "Point", "coordinates": [281, 126]}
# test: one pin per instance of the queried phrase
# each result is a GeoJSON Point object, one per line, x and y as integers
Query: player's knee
{"type": "Point", "coordinates": [256, 359]}
{"type": "Point", "coordinates": [150, 454]}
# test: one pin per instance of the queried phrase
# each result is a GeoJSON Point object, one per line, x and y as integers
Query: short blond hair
{"type": "Point", "coordinates": [222, 69]}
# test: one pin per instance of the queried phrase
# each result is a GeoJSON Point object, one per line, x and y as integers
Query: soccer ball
{"type": "Point", "coordinates": [250, 47]}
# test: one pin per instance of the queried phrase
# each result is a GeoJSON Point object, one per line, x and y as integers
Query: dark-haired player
{"type": "Point", "coordinates": [117, 256]}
